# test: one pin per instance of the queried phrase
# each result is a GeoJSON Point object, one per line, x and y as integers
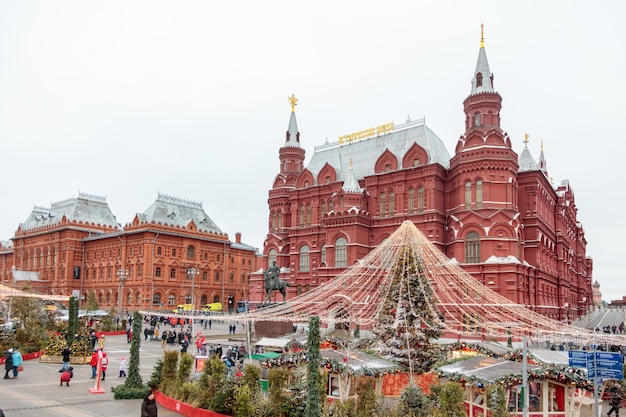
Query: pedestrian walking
{"type": "Point", "coordinates": [17, 362]}
{"type": "Point", "coordinates": [8, 363]}
{"type": "Point", "coordinates": [123, 368]}
{"type": "Point", "coordinates": [149, 406]}
{"type": "Point", "coordinates": [615, 399]}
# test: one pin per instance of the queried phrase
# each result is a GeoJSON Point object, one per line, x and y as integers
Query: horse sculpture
{"type": "Point", "coordinates": [273, 283]}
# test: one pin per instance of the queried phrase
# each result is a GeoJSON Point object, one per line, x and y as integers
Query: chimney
{"type": "Point", "coordinates": [237, 237]}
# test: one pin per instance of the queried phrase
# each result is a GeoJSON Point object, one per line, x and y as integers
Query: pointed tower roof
{"type": "Point", "coordinates": [543, 165]}
{"type": "Point", "coordinates": [483, 79]}
{"type": "Point", "coordinates": [526, 161]}
{"type": "Point", "coordinates": [293, 135]}
{"type": "Point", "coordinates": [350, 184]}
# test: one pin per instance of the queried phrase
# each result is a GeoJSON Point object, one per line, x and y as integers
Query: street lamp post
{"type": "Point", "coordinates": [121, 274]}
{"type": "Point", "coordinates": [193, 272]}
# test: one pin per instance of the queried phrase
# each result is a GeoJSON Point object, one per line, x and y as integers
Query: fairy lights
{"type": "Point", "coordinates": [357, 296]}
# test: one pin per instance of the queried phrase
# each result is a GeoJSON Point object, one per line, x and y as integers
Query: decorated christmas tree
{"type": "Point", "coordinates": [408, 318]}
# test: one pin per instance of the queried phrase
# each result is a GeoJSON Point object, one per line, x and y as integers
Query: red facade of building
{"type": "Point", "coordinates": [157, 260]}
{"type": "Point", "coordinates": [494, 212]}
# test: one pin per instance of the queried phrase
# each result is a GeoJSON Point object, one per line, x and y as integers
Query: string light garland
{"type": "Point", "coordinates": [360, 295]}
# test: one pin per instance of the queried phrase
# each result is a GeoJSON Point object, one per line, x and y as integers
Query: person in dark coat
{"type": "Point", "coordinates": [65, 353]}
{"type": "Point", "coordinates": [149, 405]}
{"type": "Point", "coordinates": [615, 399]}
{"type": "Point", "coordinates": [8, 364]}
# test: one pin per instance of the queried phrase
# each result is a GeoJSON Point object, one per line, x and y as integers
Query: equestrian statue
{"type": "Point", "coordinates": [273, 283]}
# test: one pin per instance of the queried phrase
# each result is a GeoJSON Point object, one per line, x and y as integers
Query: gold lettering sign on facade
{"type": "Point", "coordinates": [373, 131]}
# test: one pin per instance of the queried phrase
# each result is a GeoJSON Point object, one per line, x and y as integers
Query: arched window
{"type": "Point", "coordinates": [383, 204]}
{"type": "Point", "coordinates": [323, 210]}
{"type": "Point", "coordinates": [410, 201]}
{"type": "Point", "coordinates": [171, 300]}
{"type": "Point", "coordinates": [280, 221]}
{"type": "Point", "coordinates": [341, 252]}
{"type": "Point", "coordinates": [392, 203]}
{"type": "Point", "coordinates": [323, 254]}
{"type": "Point", "coordinates": [304, 259]}
{"type": "Point", "coordinates": [173, 253]}
{"type": "Point", "coordinates": [231, 277]}
{"type": "Point", "coordinates": [204, 300]}
{"type": "Point", "coordinates": [472, 248]}
{"type": "Point", "coordinates": [421, 203]}
{"type": "Point", "coordinates": [301, 223]}
{"type": "Point", "coordinates": [341, 201]}
{"type": "Point", "coordinates": [191, 252]}
{"type": "Point", "coordinates": [204, 277]}
{"type": "Point", "coordinates": [468, 195]}
{"type": "Point", "coordinates": [216, 299]}
{"type": "Point", "coordinates": [159, 250]}
{"type": "Point", "coordinates": [477, 120]}
{"type": "Point", "coordinates": [157, 271]}
{"type": "Point", "coordinates": [274, 220]}
{"type": "Point", "coordinates": [479, 79]}
{"type": "Point", "coordinates": [156, 299]}
{"type": "Point", "coordinates": [217, 276]}
{"type": "Point", "coordinates": [173, 273]}
{"type": "Point", "coordinates": [309, 215]}
{"type": "Point", "coordinates": [271, 257]}
{"type": "Point", "coordinates": [479, 194]}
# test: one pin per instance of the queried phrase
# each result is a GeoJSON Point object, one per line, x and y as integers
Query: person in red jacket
{"type": "Point", "coordinates": [67, 375]}
{"type": "Point", "coordinates": [94, 363]}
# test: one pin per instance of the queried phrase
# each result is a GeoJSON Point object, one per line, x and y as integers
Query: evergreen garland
{"type": "Point", "coordinates": [496, 400]}
{"type": "Point", "coordinates": [314, 403]}
{"type": "Point", "coordinates": [134, 378]}
{"type": "Point", "coordinates": [72, 320]}
{"type": "Point", "coordinates": [408, 320]}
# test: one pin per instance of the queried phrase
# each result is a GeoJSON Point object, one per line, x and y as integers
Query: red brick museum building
{"type": "Point", "coordinates": [491, 210]}
{"type": "Point", "coordinates": [157, 261]}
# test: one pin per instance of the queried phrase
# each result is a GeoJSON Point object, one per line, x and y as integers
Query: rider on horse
{"type": "Point", "coordinates": [273, 283]}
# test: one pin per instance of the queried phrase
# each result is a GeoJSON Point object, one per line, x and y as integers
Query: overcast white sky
{"type": "Point", "coordinates": [125, 99]}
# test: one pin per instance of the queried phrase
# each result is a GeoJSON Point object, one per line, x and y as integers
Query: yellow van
{"type": "Point", "coordinates": [182, 308]}
{"type": "Point", "coordinates": [212, 307]}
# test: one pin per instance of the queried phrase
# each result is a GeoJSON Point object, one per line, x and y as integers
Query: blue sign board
{"type": "Point", "coordinates": [607, 365]}
{"type": "Point", "coordinates": [605, 374]}
{"type": "Point", "coordinates": [578, 363]}
{"type": "Point", "coordinates": [609, 356]}
{"type": "Point", "coordinates": [616, 366]}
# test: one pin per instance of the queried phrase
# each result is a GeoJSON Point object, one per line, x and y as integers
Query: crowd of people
{"type": "Point", "coordinates": [612, 329]}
